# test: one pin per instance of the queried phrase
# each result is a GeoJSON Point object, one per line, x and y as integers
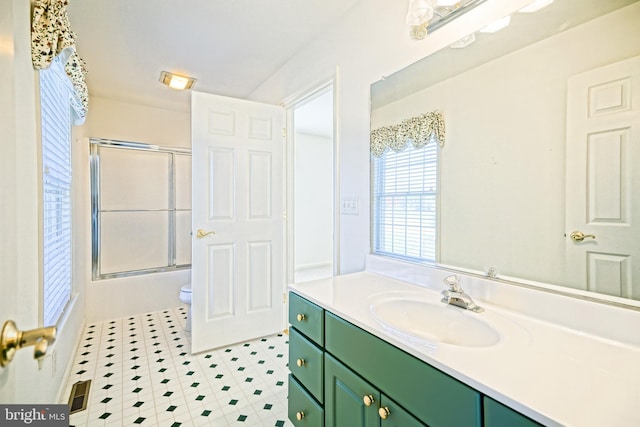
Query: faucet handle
{"type": "Point", "coordinates": [452, 283]}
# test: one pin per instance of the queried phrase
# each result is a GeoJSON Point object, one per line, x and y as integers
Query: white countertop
{"type": "Point", "coordinates": [556, 375]}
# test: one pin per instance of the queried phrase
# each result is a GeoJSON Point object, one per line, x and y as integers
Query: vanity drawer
{"type": "Point", "coordinates": [431, 396]}
{"type": "Point", "coordinates": [306, 317]}
{"type": "Point", "coordinates": [302, 405]}
{"type": "Point", "coordinates": [498, 415]}
{"type": "Point", "coordinates": [306, 363]}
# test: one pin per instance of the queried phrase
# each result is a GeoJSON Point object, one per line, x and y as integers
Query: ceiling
{"type": "Point", "coordinates": [229, 46]}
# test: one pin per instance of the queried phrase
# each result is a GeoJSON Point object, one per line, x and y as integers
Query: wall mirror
{"type": "Point", "coordinates": [511, 180]}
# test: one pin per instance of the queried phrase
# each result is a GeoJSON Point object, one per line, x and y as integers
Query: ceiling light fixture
{"type": "Point", "coordinates": [535, 6]}
{"type": "Point", "coordinates": [428, 15]}
{"type": "Point", "coordinates": [447, 3]}
{"type": "Point", "coordinates": [497, 25]}
{"type": "Point", "coordinates": [175, 81]}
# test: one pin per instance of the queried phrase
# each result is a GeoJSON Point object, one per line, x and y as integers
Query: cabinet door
{"type": "Point", "coordinates": [344, 397]}
{"type": "Point", "coordinates": [498, 415]}
{"type": "Point", "coordinates": [395, 415]}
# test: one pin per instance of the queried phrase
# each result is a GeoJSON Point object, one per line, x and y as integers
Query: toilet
{"type": "Point", "coordinates": [185, 297]}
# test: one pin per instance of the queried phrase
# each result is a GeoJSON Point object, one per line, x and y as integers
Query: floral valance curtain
{"type": "Point", "coordinates": [51, 35]}
{"type": "Point", "coordinates": [417, 130]}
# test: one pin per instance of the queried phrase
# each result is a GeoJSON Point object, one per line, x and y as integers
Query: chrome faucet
{"type": "Point", "coordinates": [454, 295]}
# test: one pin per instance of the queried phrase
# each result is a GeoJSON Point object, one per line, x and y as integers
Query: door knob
{"type": "Point", "coordinates": [579, 236]}
{"type": "Point", "coordinates": [201, 233]}
{"type": "Point", "coordinates": [12, 340]}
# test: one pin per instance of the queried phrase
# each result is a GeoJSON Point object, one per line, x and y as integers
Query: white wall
{"type": "Point", "coordinates": [138, 123]}
{"type": "Point", "coordinates": [113, 298]}
{"type": "Point", "coordinates": [370, 42]}
{"type": "Point", "coordinates": [503, 168]}
{"type": "Point", "coordinates": [313, 198]}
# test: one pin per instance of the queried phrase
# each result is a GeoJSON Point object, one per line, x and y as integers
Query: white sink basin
{"type": "Point", "coordinates": [423, 321]}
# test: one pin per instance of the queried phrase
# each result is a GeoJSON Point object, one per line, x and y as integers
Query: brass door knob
{"type": "Point", "coordinates": [368, 400]}
{"type": "Point", "coordinates": [301, 317]}
{"type": "Point", "coordinates": [384, 413]}
{"type": "Point", "coordinates": [200, 234]}
{"type": "Point", "coordinates": [299, 415]}
{"type": "Point", "coordinates": [579, 236]}
{"type": "Point", "coordinates": [300, 362]}
{"type": "Point", "coordinates": [12, 340]}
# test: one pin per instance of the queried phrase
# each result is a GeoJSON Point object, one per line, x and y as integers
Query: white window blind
{"type": "Point", "coordinates": [404, 203]}
{"type": "Point", "coordinates": [56, 190]}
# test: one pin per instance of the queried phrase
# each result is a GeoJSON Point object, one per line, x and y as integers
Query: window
{"type": "Point", "coordinates": [405, 203]}
{"type": "Point", "coordinates": [141, 208]}
{"type": "Point", "coordinates": [56, 120]}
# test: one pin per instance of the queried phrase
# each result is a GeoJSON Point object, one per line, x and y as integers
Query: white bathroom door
{"type": "Point", "coordinates": [237, 193]}
{"type": "Point", "coordinates": [603, 179]}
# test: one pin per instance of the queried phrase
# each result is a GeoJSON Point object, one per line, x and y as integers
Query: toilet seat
{"type": "Point", "coordinates": [185, 294]}
{"type": "Point", "coordinates": [185, 297]}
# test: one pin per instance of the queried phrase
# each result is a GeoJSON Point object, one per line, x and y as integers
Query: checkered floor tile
{"type": "Point", "coordinates": [143, 373]}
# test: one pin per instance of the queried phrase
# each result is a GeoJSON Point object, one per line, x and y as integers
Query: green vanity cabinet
{"type": "Point", "coordinates": [431, 396]}
{"type": "Point", "coordinates": [343, 376]}
{"type": "Point", "coordinates": [498, 415]}
{"type": "Point", "coordinates": [352, 401]}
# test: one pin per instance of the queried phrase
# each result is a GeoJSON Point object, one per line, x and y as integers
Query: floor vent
{"type": "Point", "coordinates": [79, 396]}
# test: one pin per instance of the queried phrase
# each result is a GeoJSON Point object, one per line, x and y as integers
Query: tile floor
{"type": "Point", "coordinates": [142, 373]}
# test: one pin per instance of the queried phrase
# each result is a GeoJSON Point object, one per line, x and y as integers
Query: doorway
{"type": "Point", "coordinates": [312, 166]}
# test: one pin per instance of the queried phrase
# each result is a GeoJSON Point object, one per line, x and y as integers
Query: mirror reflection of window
{"type": "Point", "coordinates": [405, 203]}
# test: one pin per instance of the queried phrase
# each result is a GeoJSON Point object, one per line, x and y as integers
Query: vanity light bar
{"type": "Point", "coordinates": [446, 3]}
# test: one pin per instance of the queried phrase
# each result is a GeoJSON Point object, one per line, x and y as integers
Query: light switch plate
{"type": "Point", "coordinates": [349, 205]}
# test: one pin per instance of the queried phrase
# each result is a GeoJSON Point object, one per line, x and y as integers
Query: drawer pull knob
{"type": "Point", "coordinates": [299, 415]}
{"type": "Point", "coordinates": [368, 400]}
{"type": "Point", "coordinates": [300, 362]}
{"type": "Point", "coordinates": [384, 413]}
{"type": "Point", "coordinates": [301, 317]}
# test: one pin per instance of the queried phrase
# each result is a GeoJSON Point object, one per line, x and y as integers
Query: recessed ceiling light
{"type": "Point", "coordinates": [497, 25]}
{"type": "Point", "coordinates": [175, 81]}
{"type": "Point", "coordinates": [535, 6]}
